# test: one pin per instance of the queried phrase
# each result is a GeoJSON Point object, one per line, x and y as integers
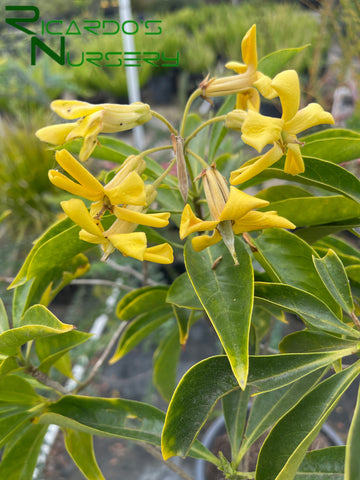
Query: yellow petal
{"type": "Point", "coordinates": [204, 241]}
{"type": "Point", "coordinates": [259, 130]}
{"type": "Point", "coordinates": [294, 163]}
{"type": "Point", "coordinates": [90, 238]}
{"type": "Point", "coordinates": [265, 161]}
{"type": "Point", "coordinates": [287, 85]}
{"type": "Point", "coordinates": [88, 125]}
{"type": "Point", "coordinates": [72, 109]}
{"type": "Point", "coordinates": [260, 220]}
{"type": "Point", "coordinates": [55, 134]}
{"type": "Point", "coordinates": [248, 48]}
{"type": "Point", "coordinates": [263, 84]}
{"type": "Point", "coordinates": [157, 220]}
{"type": "Point", "coordinates": [159, 254]}
{"type": "Point", "coordinates": [65, 183]}
{"type": "Point", "coordinates": [310, 116]}
{"type": "Point", "coordinates": [88, 146]}
{"type": "Point", "coordinates": [129, 190]}
{"type": "Point", "coordinates": [237, 67]}
{"type": "Point", "coordinates": [248, 100]}
{"type": "Point", "coordinates": [240, 203]}
{"type": "Point", "coordinates": [190, 223]}
{"type": "Point", "coordinates": [130, 244]}
{"type": "Point", "coordinates": [235, 119]}
{"type": "Point", "coordinates": [77, 211]}
{"type": "Point", "coordinates": [76, 170]}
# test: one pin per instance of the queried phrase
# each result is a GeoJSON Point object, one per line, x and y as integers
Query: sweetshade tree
{"type": "Point", "coordinates": [265, 254]}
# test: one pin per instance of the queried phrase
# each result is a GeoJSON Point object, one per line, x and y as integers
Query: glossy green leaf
{"type": "Point", "coordinates": [333, 274]}
{"type": "Point", "coordinates": [218, 131]}
{"type": "Point", "coordinates": [37, 322]}
{"type": "Point", "coordinates": [165, 362]}
{"type": "Point", "coordinates": [274, 62]}
{"type": "Point", "coordinates": [209, 380]}
{"type": "Point", "coordinates": [19, 461]}
{"type": "Point", "coordinates": [315, 233]}
{"type": "Point", "coordinates": [307, 211]}
{"type": "Point", "coordinates": [310, 308]}
{"type": "Point", "coordinates": [309, 341]}
{"type": "Point", "coordinates": [324, 464]}
{"type": "Point", "coordinates": [347, 252]}
{"type": "Point", "coordinates": [140, 301]}
{"type": "Point", "coordinates": [13, 419]}
{"type": "Point", "coordinates": [139, 329]}
{"type": "Point", "coordinates": [288, 259]}
{"type": "Point", "coordinates": [352, 458]}
{"type": "Point", "coordinates": [50, 349]}
{"type": "Point", "coordinates": [9, 364]}
{"type": "Point", "coordinates": [4, 322]}
{"type": "Point", "coordinates": [80, 447]}
{"type": "Point", "coordinates": [334, 144]}
{"type": "Point", "coordinates": [269, 407]}
{"type": "Point", "coordinates": [182, 293]}
{"type": "Point", "coordinates": [286, 446]}
{"type": "Point", "coordinates": [183, 318]}
{"type": "Point", "coordinates": [276, 193]}
{"type": "Point", "coordinates": [235, 408]}
{"type": "Point", "coordinates": [353, 272]}
{"type": "Point", "coordinates": [17, 391]}
{"type": "Point", "coordinates": [113, 417]}
{"type": "Point", "coordinates": [319, 173]}
{"type": "Point", "coordinates": [226, 293]}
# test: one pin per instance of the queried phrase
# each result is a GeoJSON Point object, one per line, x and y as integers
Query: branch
{"type": "Point", "coordinates": [43, 378]}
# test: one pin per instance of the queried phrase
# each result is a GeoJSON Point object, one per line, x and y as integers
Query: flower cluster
{"type": "Point", "coordinates": [231, 210]}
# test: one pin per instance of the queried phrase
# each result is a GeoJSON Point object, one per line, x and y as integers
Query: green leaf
{"type": "Point", "coordinates": [269, 407]}
{"type": "Point", "coordinates": [348, 254]}
{"type": "Point", "coordinates": [308, 341]}
{"type": "Point", "coordinates": [288, 259]}
{"type": "Point", "coordinates": [80, 447]}
{"type": "Point", "coordinates": [166, 358]}
{"type": "Point", "coordinates": [113, 417]}
{"type": "Point", "coordinates": [50, 349]}
{"type": "Point", "coordinates": [319, 173]}
{"type": "Point", "coordinates": [310, 308]}
{"type": "Point", "coordinates": [19, 461]}
{"type": "Point", "coordinates": [37, 322]}
{"type": "Point", "coordinates": [183, 317]}
{"type": "Point", "coordinates": [17, 391]}
{"type": "Point", "coordinates": [286, 446]}
{"type": "Point", "coordinates": [9, 364]}
{"type": "Point", "coordinates": [307, 211]}
{"type": "Point", "coordinates": [226, 293]}
{"type": "Point", "coordinates": [218, 131]}
{"type": "Point", "coordinates": [140, 301]}
{"type": "Point", "coordinates": [235, 408]}
{"type": "Point", "coordinates": [332, 273]}
{"type": "Point", "coordinates": [352, 459]}
{"type": "Point", "coordinates": [209, 380]}
{"type": "Point", "coordinates": [182, 293]}
{"type": "Point", "coordinates": [334, 144]}
{"type": "Point", "coordinates": [274, 62]}
{"type": "Point", "coordinates": [324, 464]}
{"type": "Point", "coordinates": [12, 421]}
{"type": "Point", "coordinates": [4, 322]}
{"type": "Point", "coordinates": [313, 234]}
{"type": "Point", "coordinates": [282, 192]}
{"type": "Point", "coordinates": [139, 329]}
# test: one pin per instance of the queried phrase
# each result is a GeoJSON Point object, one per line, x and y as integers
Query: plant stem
{"type": "Point", "coordinates": [157, 454]}
{"type": "Point", "coordinates": [155, 149]}
{"type": "Point", "coordinates": [43, 378]}
{"type": "Point", "coordinates": [192, 97]}
{"type": "Point", "coordinates": [101, 360]}
{"type": "Point", "coordinates": [159, 180]}
{"type": "Point", "coordinates": [165, 121]}
{"type": "Point", "coordinates": [220, 118]}
{"type": "Point", "coordinates": [198, 158]}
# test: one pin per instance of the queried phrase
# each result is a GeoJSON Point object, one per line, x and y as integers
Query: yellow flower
{"type": "Point", "coordinates": [93, 119]}
{"type": "Point", "coordinates": [231, 212]}
{"type": "Point", "coordinates": [120, 235]}
{"type": "Point", "coordinates": [247, 76]}
{"type": "Point", "coordinates": [126, 187]}
{"type": "Point", "coordinates": [259, 130]}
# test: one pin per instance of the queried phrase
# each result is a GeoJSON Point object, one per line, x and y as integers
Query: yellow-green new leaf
{"type": "Point", "coordinates": [80, 447]}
